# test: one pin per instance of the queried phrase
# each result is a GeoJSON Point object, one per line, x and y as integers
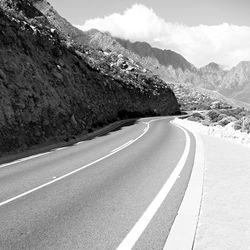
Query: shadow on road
{"type": "Point", "coordinates": [51, 146]}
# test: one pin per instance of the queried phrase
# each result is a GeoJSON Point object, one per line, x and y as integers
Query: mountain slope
{"type": "Point", "coordinates": [170, 66]}
{"type": "Point", "coordinates": [236, 83]}
{"type": "Point", "coordinates": [164, 57]}
{"type": "Point", "coordinates": [210, 76]}
{"type": "Point", "coordinates": [52, 90]}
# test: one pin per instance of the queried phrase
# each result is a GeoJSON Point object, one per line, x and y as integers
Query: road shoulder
{"type": "Point", "coordinates": [225, 213]}
{"type": "Point", "coordinates": [185, 223]}
{"type": "Point", "coordinates": [224, 219]}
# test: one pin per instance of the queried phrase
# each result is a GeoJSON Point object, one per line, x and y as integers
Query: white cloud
{"type": "Point", "coordinates": [225, 44]}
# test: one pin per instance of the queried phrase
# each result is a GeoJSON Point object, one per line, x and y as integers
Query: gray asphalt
{"type": "Point", "coordinates": [96, 207]}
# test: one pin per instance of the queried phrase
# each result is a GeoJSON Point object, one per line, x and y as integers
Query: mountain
{"type": "Point", "coordinates": [172, 67]}
{"type": "Point", "coordinates": [52, 89]}
{"type": "Point", "coordinates": [165, 57]}
{"type": "Point", "coordinates": [60, 23]}
{"type": "Point", "coordinates": [169, 65]}
{"type": "Point", "coordinates": [236, 82]}
{"type": "Point", "coordinates": [210, 76]}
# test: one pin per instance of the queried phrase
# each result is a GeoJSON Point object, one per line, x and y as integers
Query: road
{"type": "Point", "coordinates": [111, 192]}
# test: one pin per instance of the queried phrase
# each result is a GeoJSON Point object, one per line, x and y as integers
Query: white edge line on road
{"type": "Point", "coordinates": [31, 157]}
{"type": "Point", "coordinates": [185, 224]}
{"type": "Point", "coordinates": [58, 149]}
{"type": "Point", "coordinates": [54, 150]}
{"type": "Point", "coordinates": [51, 151]}
{"type": "Point", "coordinates": [123, 146]}
{"type": "Point", "coordinates": [24, 159]}
{"type": "Point", "coordinates": [135, 233]}
{"type": "Point", "coordinates": [76, 170]}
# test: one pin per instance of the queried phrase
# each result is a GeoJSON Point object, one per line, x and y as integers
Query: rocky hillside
{"type": "Point", "coordinates": [210, 76]}
{"type": "Point", "coordinates": [52, 89]}
{"type": "Point", "coordinates": [170, 66]}
{"type": "Point", "coordinates": [195, 98]}
{"type": "Point", "coordinates": [236, 82]}
{"type": "Point", "coordinates": [165, 57]}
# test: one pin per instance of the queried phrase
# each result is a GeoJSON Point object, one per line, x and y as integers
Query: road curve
{"type": "Point", "coordinates": [92, 194]}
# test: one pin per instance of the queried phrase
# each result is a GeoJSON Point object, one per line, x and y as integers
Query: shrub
{"type": "Point", "coordinates": [193, 119]}
{"type": "Point", "coordinates": [237, 125]}
{"type": "Point", "coordinates": [213, 115]}
{"type": "Point", "coordinates": [237, 113]}
{"type": "Point", "coordinates": [205, 123]}
{"type": "Point", "coordinates": [246, 124]}
{"type": "Point", "coordinates": [226, 120]}
{"type": "Point", "coordinates": [198, 116]}
{"type": "Point", "coordinates": [221, 116]}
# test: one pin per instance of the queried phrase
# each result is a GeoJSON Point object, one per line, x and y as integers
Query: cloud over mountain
{"type": "Point", "coordinates": [227, 44]}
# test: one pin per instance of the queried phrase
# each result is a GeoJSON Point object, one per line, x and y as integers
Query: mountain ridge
{"type": "Point", "coordinates": [233, 83]}
{"type": "Point", "coordinates": [173, 66]}
{"type": "Point", "coordinates": [52, 89]}
{"type": "Point", "coordinates": [165, 57]}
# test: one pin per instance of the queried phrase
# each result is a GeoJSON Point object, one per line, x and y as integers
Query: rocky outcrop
{"type": "Point", "coordinates": [52, 90]}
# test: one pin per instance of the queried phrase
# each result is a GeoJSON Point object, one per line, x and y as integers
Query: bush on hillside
{"type": "Point", "coordinates": [237, 125]}
{"type": "Point", "coordinates": [205, 123]}
{"type": "Point", "coordinates": [213, 115]}
{"type": "Point", "coordinates": [221, 116]}
{"type": "Point", "coordinates": [247, 125]}
{"type": "Point", "coordinates": [237, 113]}
{"type": "Point", "coordinates": [226, 120]}
{"type": "Point", "coordinates": [196, 117]}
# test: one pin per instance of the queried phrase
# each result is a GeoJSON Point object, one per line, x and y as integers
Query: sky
{"type": "Point", "coordinates": [202, 31]}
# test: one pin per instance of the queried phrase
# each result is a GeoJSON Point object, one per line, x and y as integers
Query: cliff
{"type": "Point", "coordinates": [52, 90]}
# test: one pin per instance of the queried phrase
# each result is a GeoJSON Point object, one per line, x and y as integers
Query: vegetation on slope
{"type": "Point", "coordinates": [52, 89]}
{"type": "Point", "coordinates": [238, 118]}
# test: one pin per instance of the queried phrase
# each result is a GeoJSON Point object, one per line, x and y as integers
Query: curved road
{"type": "Point", "coordinates": [111, 192]}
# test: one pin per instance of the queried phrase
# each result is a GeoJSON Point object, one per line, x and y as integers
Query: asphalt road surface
{"type": "Point", "coordinates": [118, 191]}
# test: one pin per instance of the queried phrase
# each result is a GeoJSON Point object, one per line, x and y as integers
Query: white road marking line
{"type": "Point", "coordinates": [122, 146]}
{"type": "Point", "coordinates": [24, 159]}
{"type": "Point", "coordinates": [80, 142]}
{"type": "Point", "coordinates": [53, 150]}
{"type": "Point", "coordinates": [185, 223]}
{"type": "Point", "coordinates": [30, 157]}
{"type": "Point", "coordinates": [58, 149]}
{"type": "Point", "coordinates": [73, 172]}
{"type": "Point", "coordinates": [135, 233]}
{"type": "Point", "coordinates": [49, 152]}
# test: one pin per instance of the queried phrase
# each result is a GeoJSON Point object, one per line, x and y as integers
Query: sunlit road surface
{"type": "Point", "coordinates": [118, 191]}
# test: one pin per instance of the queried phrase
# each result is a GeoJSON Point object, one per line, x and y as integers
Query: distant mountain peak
{"type": "Point", "coordinates": [212, 67]}
{"type": "Point", "coordinates": [165, 57]}
{"type": "Point", "coordinates": [243, 64]}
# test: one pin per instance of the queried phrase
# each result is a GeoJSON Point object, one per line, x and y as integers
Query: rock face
{"type": "Point", "coordinates": [51, 89]}
{"type": "Point", "coordinates": [172, 67]}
